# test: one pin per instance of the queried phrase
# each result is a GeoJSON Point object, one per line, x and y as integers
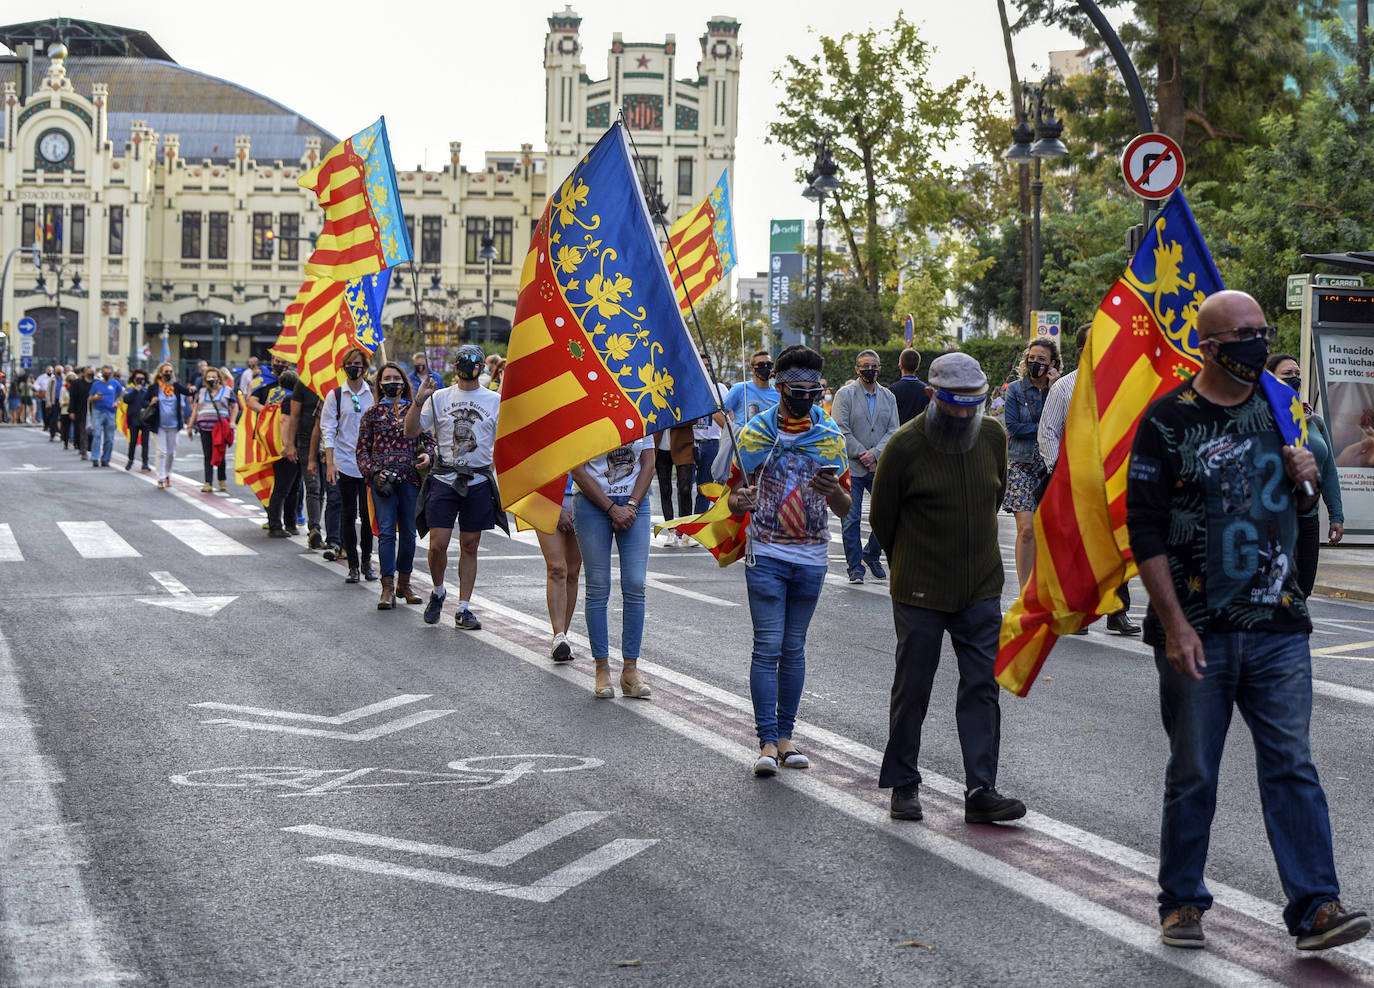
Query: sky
{"type": "Point", "coordinates": [473, 72]}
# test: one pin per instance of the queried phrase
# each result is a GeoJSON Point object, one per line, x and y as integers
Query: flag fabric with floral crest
{"type": "Point", "coordinates": [599, 354]}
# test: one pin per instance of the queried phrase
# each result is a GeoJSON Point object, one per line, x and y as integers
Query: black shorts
{"type": "Point", "coordinates": [473, 511]}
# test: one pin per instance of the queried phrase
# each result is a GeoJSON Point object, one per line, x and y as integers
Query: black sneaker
{"type": "Point", "coordinates": [1122, 624]}
{"type": "Point", "coordinates": [433, 608]}
{"type": "Point", "coordinates": [1334, 925]}
{"type": "Point", "coordinates": [331, 552]}
{"type": "Point", "coordinates": [1183, 928]}
{"type": "Point", "coordinates": [369, 574]}
{"type": "Point", "coordinates": [857, 577]}
{"type": "Point", "coordinates": [876, 565]}
{"type": "Point", "coordinates": [467, 621]}
{"type": "Point", "coordinates": [352, 576]}
{"type": "Point", "coordinates": [314, 542]}
{"type": "Point", "coordinates": [906, 804]}
{"type": "Point", "coordinates": [986, 805]}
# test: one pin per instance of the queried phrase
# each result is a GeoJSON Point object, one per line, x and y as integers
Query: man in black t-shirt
{"type": "Point", "coordinates": [1212, 498]}
{"type": "Point", "coordinates": [909, 390]}
{"type": "Point", "coordinates": [300, 411]}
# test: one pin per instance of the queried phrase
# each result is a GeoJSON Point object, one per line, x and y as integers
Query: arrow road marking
{"type": "Point", "coordinates": [30, 468]}
{"type": "Point", "coordinates": [182, 599]}
{"type": "Point", "coordinates": [545, 889]}
{"type": "Point", "coordinates": [371, 734]}
{"type": "Point", "coordinates": [344, 718]}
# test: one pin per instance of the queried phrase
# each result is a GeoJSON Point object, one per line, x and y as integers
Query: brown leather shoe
{"type": "Point", "coordinates": [388, 600]}
{"type": "Point", "coordinates": [404, 591]}
{"type": "Point", "coordinates": [630, 682]}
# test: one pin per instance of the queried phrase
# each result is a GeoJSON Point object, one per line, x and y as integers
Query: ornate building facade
{"type": "Point", "coordinates": [165, 205]}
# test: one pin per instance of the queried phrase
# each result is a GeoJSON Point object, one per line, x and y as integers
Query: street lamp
{"type": "Point", "coordinates": [134, 348]}
{"type": "Point", "coordinates": [58, 270]}
{"type": "Point", "coordinates": [1033, 144]}
{"type": "Point", "coordinates": [821, 184]}
{"type": "Point", "coordinates": [488, 254]}
{"type": "Point", "coordinates": [216, 327]}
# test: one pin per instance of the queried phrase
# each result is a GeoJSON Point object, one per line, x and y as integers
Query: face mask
{"type": "Point", "coordinates": [1293, 382]}
{"type": "Point", "coordinates": [467, 371]}
{"type": "Point", "coordinates": [277, 369]}
{"type": "Point", "coordinates": [353, 371]}
{"type": "Point", "coordinates": [212, 383]}
{"type": "Point", "coordinates": [1038, 371]}
{"type": "Point", "coordinates": [391, 388]}
{"type": "Point", "coordinates": [167, 376]}
{"type": "Point", "coordinates": [869, 374]}
{"type": "Point", "coordinates": [420, 368]}
{"type": "Point", "coordinates": [105, 375]}
{"type": "Point", "coordinates": [798, 407]}
{"type": "Point", "coordinates": [763, 371]}
{"type": "Point", "coordinates": [1243, 359]}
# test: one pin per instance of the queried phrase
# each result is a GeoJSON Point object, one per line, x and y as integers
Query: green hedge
{"type": "Point", "coordinates": [999, 357]}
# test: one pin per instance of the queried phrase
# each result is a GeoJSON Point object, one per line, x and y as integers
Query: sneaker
{"type": "Point", "coordinates": [792, 758]}
{"type": "Point", "coordinates": [277, 533]}
{"type": "Point", "coordinates": [433, 608]}
{"type": "Point", "coordinates": [129, 465]}
{"type": "Point", "coordinates": [1183, 928]}
{"type": "Point", "coordinates": [314, 542]}
{"type": "Point", "coordinates": [467, 621]}
{"type": "Point", "coordinates": [561, 651]}
{"type": "Point", "coordinates": [331, 552]}
{"type": "Point", "coordinates": [1334, 925]}
{"type": "Point", "coordinates": [876, 565]}
{"type": "Point", "coordinates": [1122, 624]}
{"type": "Point", "coordinates": [906, 803]}
{"type": "Point", "coordinates": [986, 805]}
{"type": "Point", "coordinates": [857, 577]}
{"type": "Point", "coordinates": [293, 531]}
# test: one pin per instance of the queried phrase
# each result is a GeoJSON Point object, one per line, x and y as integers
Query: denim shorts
{"type": "Point", "coordinates": [473, 511]}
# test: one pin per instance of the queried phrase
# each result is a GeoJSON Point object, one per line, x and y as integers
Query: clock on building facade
{"type": "Point", "coordinates": [54, 150]}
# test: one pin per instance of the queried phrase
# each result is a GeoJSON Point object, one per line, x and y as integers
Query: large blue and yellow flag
{"type": "Point", "coordinates": [599, 355]}
{"type": "Point", "coordinates": [326, 320]}
{"type": "Point", "coordinates": [703, 242]}
{"type": "Point", "coordinates": [364, 226]}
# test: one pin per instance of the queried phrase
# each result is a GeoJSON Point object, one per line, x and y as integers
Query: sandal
{"type": "Point", "coordinates": [792, 758]}
{"type": "Point", "coordinates": [765, 766]}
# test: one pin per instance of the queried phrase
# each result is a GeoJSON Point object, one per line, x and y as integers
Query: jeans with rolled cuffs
{"type": "Point", "coordinates": [594, 537]}
{"type": "Point", "coordinates": [782, 599]}
{"type": "Point", "coordinates": [396, 528]}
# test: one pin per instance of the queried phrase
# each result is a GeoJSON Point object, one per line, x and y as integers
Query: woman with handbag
{"type": "Point", "coordinates": [165, 412]}
{"type": "Point", "coordinates": [391, 465]}
{"type": "Point", "coordinates": [213, 413]}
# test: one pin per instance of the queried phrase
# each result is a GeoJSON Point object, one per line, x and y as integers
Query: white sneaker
{"type": "Point", "coordinates": [685, 542]}
{"type": "Point", "coordinates": [561, 651]}
{"type": "Point", "coordinates": [664, 539]}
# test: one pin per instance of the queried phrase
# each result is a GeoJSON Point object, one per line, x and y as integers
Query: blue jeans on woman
{"type": "Point", "coordinates": [782, 598]}
{"type": "Point", "coordinates": [393, 513]}
{"type": "Point", "coordinates": [706, 457]}
{"type": "Point", "coordinates": [1268, 676]}
{"type": "Point", "coordinates": [594, 535]}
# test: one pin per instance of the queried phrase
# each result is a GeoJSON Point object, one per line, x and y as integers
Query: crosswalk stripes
{"type": "Point", "coordinates": [204, 538]}
{"type": "Point", "coordinates": [96, 540]}
{"type": "Point", "coordinates": [9, 548]}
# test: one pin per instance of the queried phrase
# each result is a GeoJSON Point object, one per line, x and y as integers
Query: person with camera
{"type": "Point", "coordinates": [1026, 395]}
{"type": "Point", "coordinates": [391, 465]}
{"type": "Point", "coordinates": [461, 489]}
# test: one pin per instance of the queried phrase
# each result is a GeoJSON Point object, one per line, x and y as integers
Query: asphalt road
{"type": "Point", "coordinates": [273, 783]}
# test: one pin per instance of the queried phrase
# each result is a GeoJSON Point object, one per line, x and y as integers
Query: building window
{"type": "Point", "coordinates": [648, 171]}
{"type": "Point", "coordinates": [431, 238]}
{"type": "Point", "coordinates": [77, 240]}
{"type": "Point", "coordinates": [503, 232]}
{"type": "Point", "coordinates": [52, 229]}
{"type": "Point", "coordinates": [219, 237]}
{"type": "Point", "coordinates": [476, 229]}
{"type": "Point", "coordinates": [684, 177]}
{"type": "Point", "coordinates": [410, 231]}
{"type": "Point", "coordinates": [116, 231]}
{"type": "Point", "coordinates": [190, 235]}
{"type": "Point", "coordinates": [262, 242]}
{"type": "Point", "coordinates": [288, 229]}
{"type": "Point", "coordinates": [28, 231]}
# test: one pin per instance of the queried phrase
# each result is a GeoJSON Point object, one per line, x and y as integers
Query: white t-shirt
{"type": "Point", "coordinates": [464, 423]}
{"type": "Point", "coordinates": [705, 427]}
{"type": "Point", "coordinates": [616, 472]}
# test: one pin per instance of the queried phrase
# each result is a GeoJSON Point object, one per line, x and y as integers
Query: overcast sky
{"type": "Point", "coordinates": [473, 72]}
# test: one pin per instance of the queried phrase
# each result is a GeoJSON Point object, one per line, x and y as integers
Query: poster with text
{"type": "Point", "coordinates": [1345, 372]}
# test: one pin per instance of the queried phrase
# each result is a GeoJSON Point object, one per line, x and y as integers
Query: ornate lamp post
{"type": "Point", "coordinates": [1031, 145]}
{"type": "Point", "coordinates": [487, 254]}
{"type": "Point", "coordinates": [821, 184]}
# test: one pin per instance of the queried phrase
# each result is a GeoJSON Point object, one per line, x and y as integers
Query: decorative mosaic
{"type": "Point", "coordinates": [687, 118]}
{"type": "Point", "coordinates": [77, 110]}
{"type": "Point", "coordinates": [599, 115]}
{"type": "Point", "coordinates": [644, 111]}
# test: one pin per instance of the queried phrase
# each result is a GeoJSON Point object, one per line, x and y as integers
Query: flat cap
{"type": "Point", "coordinates": [957, 372]}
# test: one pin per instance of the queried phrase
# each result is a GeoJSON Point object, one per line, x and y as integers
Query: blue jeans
{"type": "Point", "coordinates": [1269, 677]}
{"type": "Point", "coordinates": [393, 513]}
{"type": "Point", "coordinates": [594, 535]}
{"type": "Point", "coordinates": [103, 446]}
{"type": "Point", "coordinates": [782, 598]}
{"type": "Point", "coordinates": [706, 455]}
{"type": "Point", "coordinates": [854, 552]}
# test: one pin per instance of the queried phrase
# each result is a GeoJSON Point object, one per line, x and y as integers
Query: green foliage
{"type": "Point", "coordinates": [720, 319]}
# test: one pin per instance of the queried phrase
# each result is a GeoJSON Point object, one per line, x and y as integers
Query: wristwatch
{"type": "Point", "coordinates": [632, 503]}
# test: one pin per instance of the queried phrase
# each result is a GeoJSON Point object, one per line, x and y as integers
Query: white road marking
{"type": "Point", "coordinates": [182, 496]}
{"type": "Point", "coordinates": [379, 840]}
{"type": "Point", "coordinates": [9, 547]}
{"type": "Point", "coordinates": [370, 734]}
{"type": "Point", "coordinates": [347, 717]}
{"type": "Point", "coordinates": [96, 540]}
{"type": "Point", "coordinates": [51, 933]}
{"type": "Point", "coordinates": [204, 538]}
{"type": "Point", "coordinates": [538, 839]}
{"type": "Point", "coordinates": [183, 600]}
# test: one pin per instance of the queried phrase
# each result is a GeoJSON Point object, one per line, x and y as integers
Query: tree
{"type": "Point", "coordinates": [730, 331]}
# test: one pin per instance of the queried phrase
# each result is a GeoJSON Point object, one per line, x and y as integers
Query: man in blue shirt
{"type": "Point", "coordinates": [104, 399]}
{"type": "Point", "coordinates": [420, 363]}
{"type": "Point", "coordinates": [748, 398]}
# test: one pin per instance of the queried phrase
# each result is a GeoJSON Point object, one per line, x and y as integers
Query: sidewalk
{"type": "Point", "coordinates": [1345, 573]}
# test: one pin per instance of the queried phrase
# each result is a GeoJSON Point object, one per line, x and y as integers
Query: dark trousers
{"type": "Point", "coordinates": [311, 487]}
{"type": "Point", "coordinates": [79, 436]}
{"type": "Point", "coordinates": [920, 633]}
{"type": "Point", "coordinates": [333, 509]}
{"type": "Point", "coordinates": [51, 417]}
{"type": "Point", "coordinates": [1305, 552]}
{"type": "Point", "coordinates": [67, 430]}
{"type": "Point", "coordinates": [138, 437]}
{"type": "Point", "coordinates": [663, 464]}
{"type": "Point", "coordinates": [207, 446]}
{"type": "Point", "coordinates": [352, 510]}
{"type": "Point", "coordinates": [285, 475]}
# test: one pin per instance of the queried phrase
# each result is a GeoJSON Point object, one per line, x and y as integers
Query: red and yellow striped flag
{"type": "Point", "coordinates": [703, 241]}
{"type": "Point", "coordinates": [122, 419]}
{"type": "Point", "coordinates": [258, 447]}
{"type": "Point", "coordinates": [364, 228]}
{"type": "Point", "coordinates": [288, 346]}
{"type": "Point", "coordinates": [724, 533]}
{"type": "Point", "coordinates": [1143, 343]}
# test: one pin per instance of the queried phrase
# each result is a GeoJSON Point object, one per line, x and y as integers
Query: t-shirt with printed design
{"type": "Point", "coordinates": [464, 423]}
{"type": "Point", "coordinates": [615, 472]}
{"type": "Point", "coordinates": [1207, 489]}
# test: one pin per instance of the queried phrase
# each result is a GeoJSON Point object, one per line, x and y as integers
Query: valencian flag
{"type": "Point", "coordinates": [259, 445]}
{"type": "Point", "coordinates": [703, 241]}
{"type": "Point", "coordinates": [122, 419]}
{"type": "Point", "coordinates": [1143, 343]}
{"type": "Point", "coordinates": [288, 347]}
{"type": "Point", "coordinates": [717, 528]}
{"type": "Point", "coordinates": [326, 320]}
{"type": "Point", "coordinates": [364, 228]}
{"type": "Point", "coordinates": [599, 355]}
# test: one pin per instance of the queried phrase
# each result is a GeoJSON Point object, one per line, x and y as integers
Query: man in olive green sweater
{"type": "Point", "coordinates": [934, 511]}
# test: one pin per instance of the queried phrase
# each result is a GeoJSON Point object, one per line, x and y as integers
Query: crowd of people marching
{"type": "Point", "coordinates": [399, 452]}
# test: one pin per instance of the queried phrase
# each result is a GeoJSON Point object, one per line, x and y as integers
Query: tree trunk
{"type": "Point", "coordinates": [1170, 114]}
{"type": "Point", "coordinates": [1362, 43]}
{"type": "Point", "coordinates": [871, 205]}
{"type": "Point", "coordinates": [1023, 173]}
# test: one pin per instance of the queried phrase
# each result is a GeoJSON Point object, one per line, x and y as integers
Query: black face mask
{"type": "Point", "coordinates": [1038, 371]}
{"type": "Point", "coordinates": [391, 389]}
{"type": "Point", "coordinates": [869, 374]}
{"type": "Point", "coordinates": [353, 371]}
{"type": "Point", "coordinates": [797, 406]}
{"type": "Point", "coordinates": [420, 369]}
{"type": "Point", "coordinates": [469, 372]}
{"type": "Point", "coordinates": [763, 371]}
{"type": "Point", "coordinates": [1293, 382]}
{"type": "Point", "coordinates": [1243, 359]}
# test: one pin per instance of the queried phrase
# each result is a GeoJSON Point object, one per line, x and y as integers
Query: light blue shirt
{"type": "Point", "coordinates": [748, 399]}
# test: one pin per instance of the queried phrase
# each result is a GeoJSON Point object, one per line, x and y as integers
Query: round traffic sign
{"type": "Point", "coordinates": [1152, 165]}
{"type": "Point", "coordinates": [27, 327]}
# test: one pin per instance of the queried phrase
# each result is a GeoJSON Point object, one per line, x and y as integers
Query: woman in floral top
{"type": "Point", "coordinates": [387, 458]}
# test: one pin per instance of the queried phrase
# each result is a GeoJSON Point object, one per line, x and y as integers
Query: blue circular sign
{"type": "Point", "coordinates": [27, 327]}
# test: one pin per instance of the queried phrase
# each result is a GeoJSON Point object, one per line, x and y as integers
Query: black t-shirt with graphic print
{"type": "Point", "coordinates": [1206, 488]}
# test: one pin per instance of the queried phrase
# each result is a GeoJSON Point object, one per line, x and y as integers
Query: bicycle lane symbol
{"type": "Point", "coordinates": [472, 774]}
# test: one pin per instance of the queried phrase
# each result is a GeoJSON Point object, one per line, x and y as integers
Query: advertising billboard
{"type": "Point", "coordinates": [786, 274]}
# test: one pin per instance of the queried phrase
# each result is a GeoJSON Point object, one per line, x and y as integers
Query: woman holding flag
{"type": "Point", "coordinates": [794, 470]}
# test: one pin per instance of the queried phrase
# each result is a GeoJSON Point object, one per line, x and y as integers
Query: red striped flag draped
{"type": "Point", "coordinates": [703, 242]}
{"type": "Point", "coordinates": [1142, 344]}
{"type": "Point", "coordinates": [258, 448]}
